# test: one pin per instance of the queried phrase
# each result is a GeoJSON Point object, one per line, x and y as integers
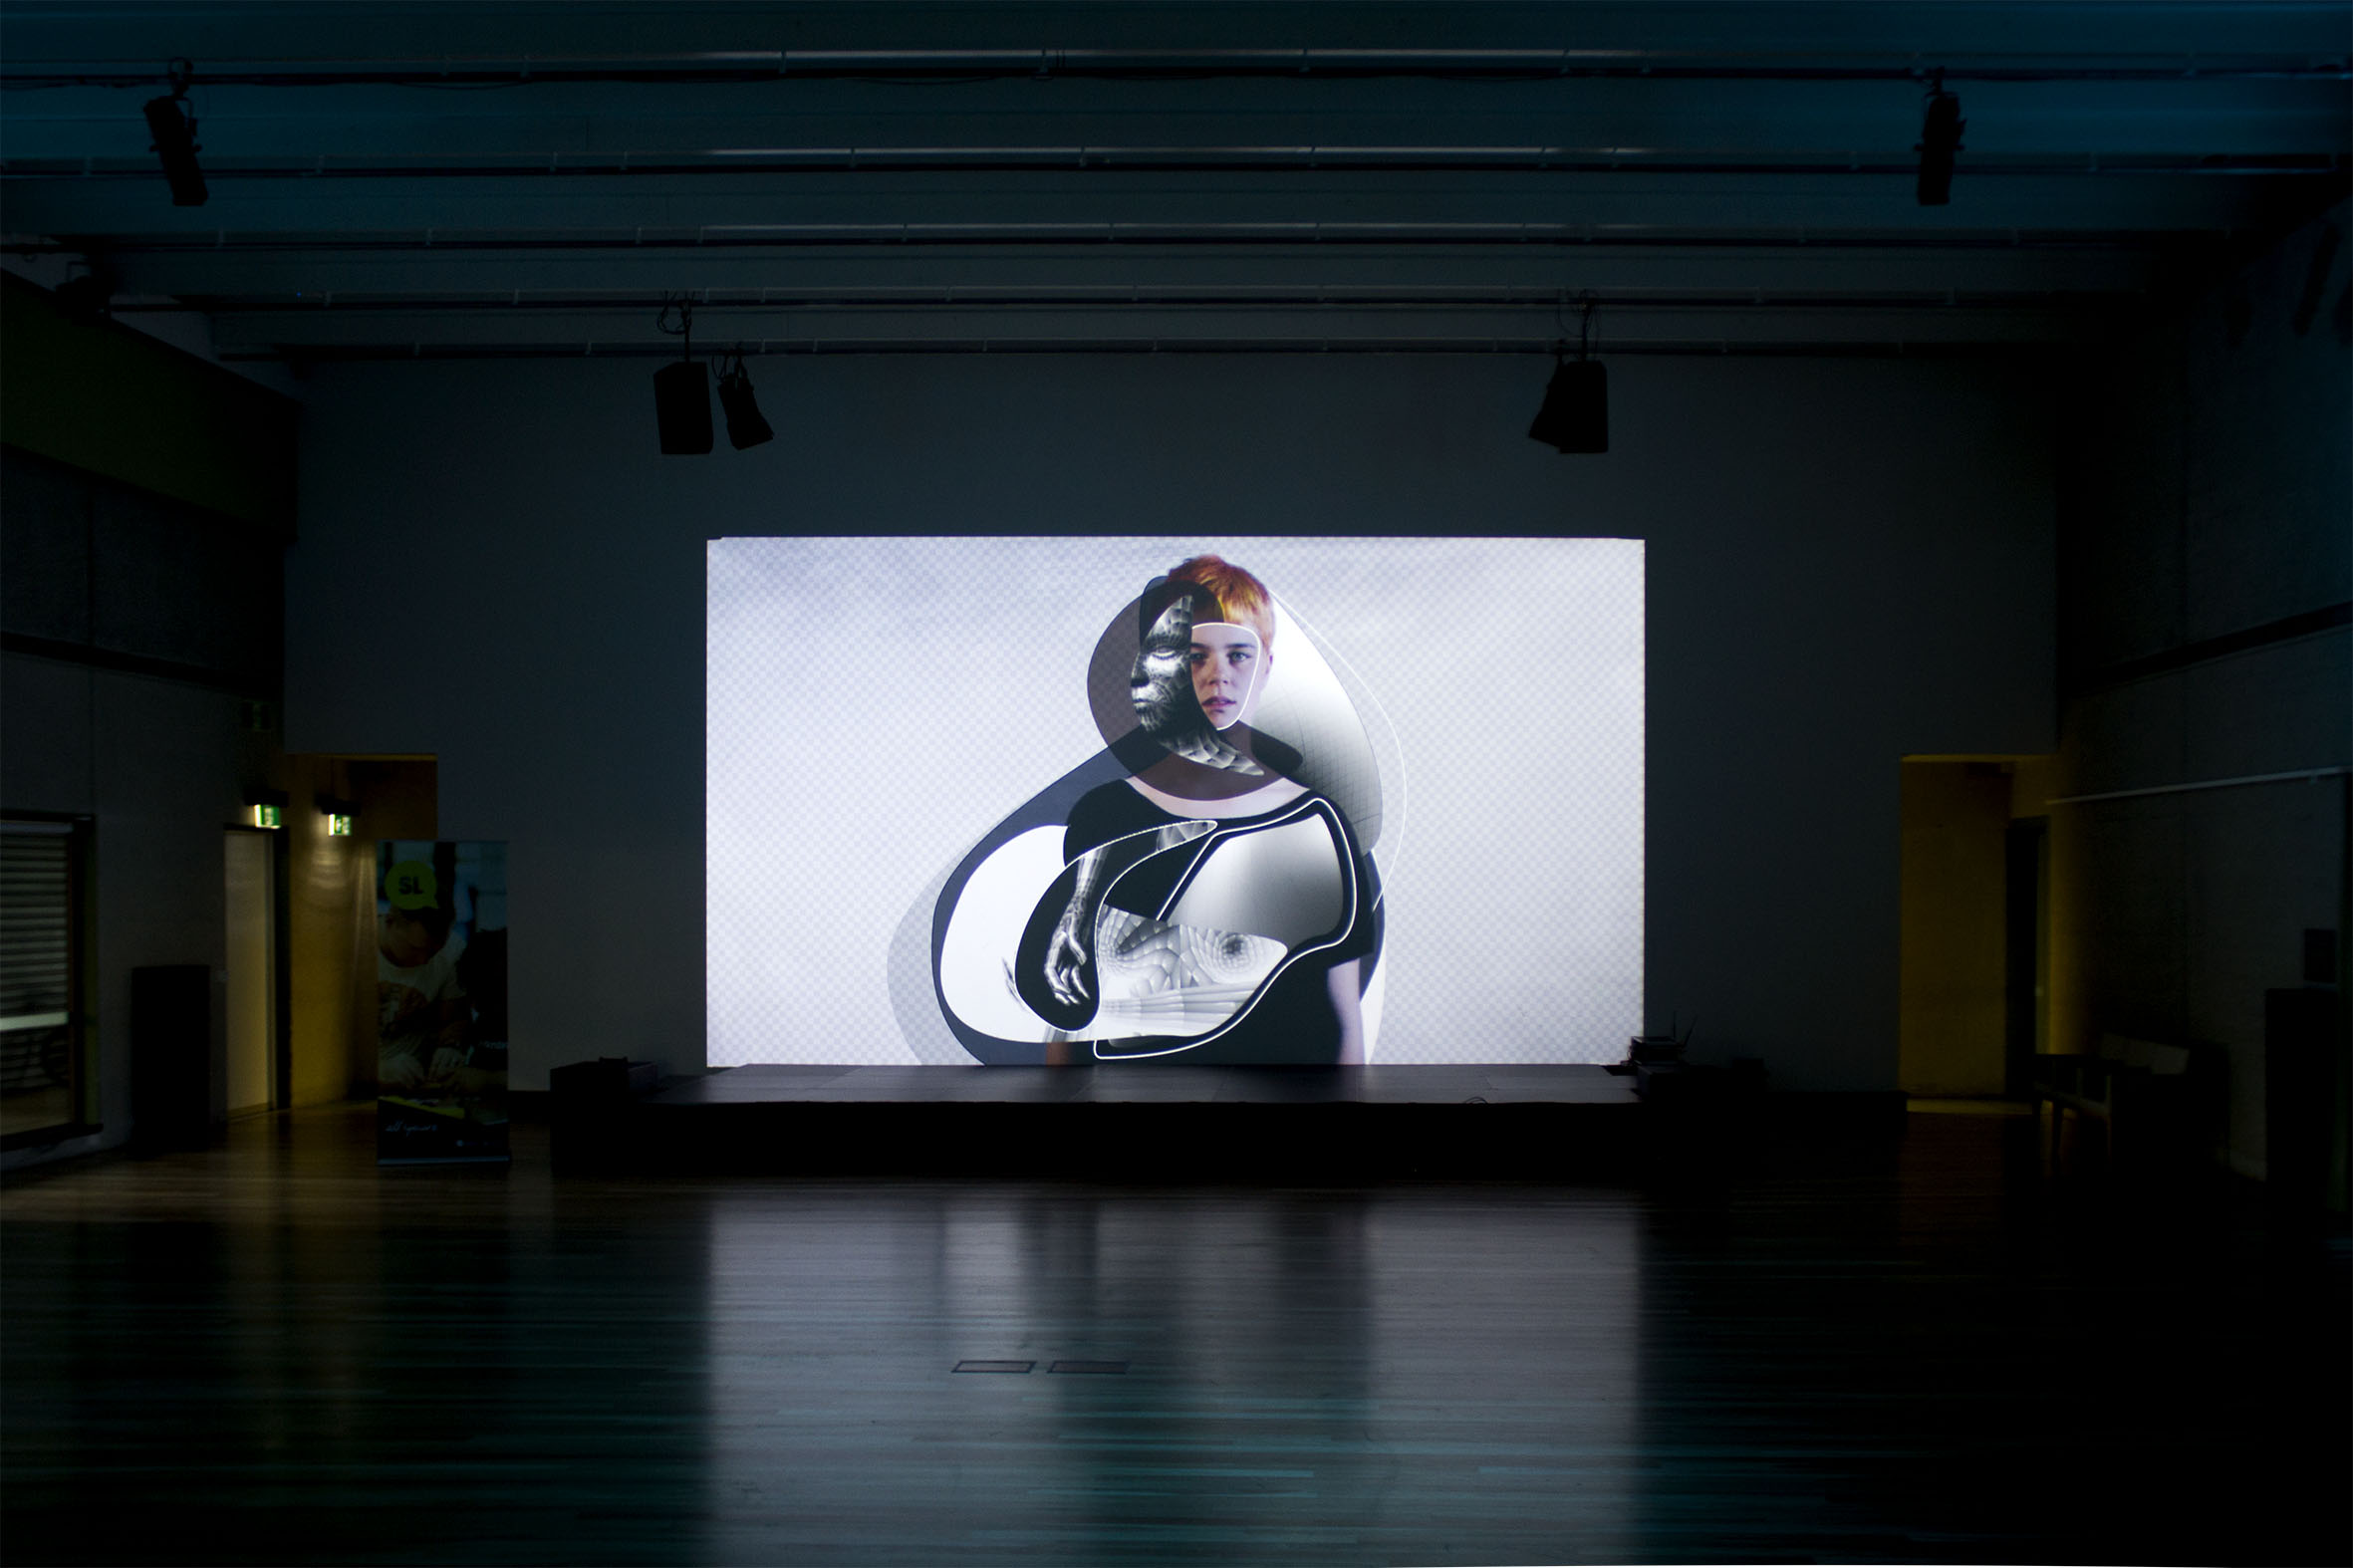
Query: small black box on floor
{"type": "Point", "coordinates": [590, 1125]}
{"type": "Point", "coordinates": [606, 1077]}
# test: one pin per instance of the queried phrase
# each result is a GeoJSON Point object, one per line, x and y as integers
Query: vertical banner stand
{"type": "Point", "coordinates": [440, 1002]}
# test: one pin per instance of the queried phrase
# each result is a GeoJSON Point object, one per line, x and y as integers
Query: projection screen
{"type": "Point", "coordinates": [1090, 800]}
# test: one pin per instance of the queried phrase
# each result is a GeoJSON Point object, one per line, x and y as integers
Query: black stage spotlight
{"type": "Point", "coordinates": [745, 428]}
{"type": "Point", "coordinates": [1575, 417]}
{"type": "Point", "coordinates": [682, 391]}
{"type": "Point", "coordinates": [1576, 412]}
{"type": "Point", "coordinates": [1939, 138]}
{"type": "Point", "coordinates": [173, 122]}
{"type": "Point", "coordinates": [683, 409]}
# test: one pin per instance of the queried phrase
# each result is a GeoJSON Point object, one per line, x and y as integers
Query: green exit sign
{"type": "Point", "coordinates": [341, 826]}
{"type": "Point", "coordinates": [265, 815]}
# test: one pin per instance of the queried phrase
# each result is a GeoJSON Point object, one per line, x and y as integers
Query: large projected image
{"type": "Point", "coordinates": [1274, 800]}
{"type": "Point", "coordinates": [1215, 899]}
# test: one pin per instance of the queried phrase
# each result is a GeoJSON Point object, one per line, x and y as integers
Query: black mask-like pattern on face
{"type": "Point", "coordinates": [1162, 686]}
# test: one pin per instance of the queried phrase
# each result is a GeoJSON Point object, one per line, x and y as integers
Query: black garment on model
{"type": "Point", "coordinates": [1290, 1019]}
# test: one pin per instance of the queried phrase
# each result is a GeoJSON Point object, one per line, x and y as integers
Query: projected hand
{"type": "Point", "coordinates": [400, 1071]}
{"type": "Point", "coordinates": [1066, 961]}
{"type": "Point", "coordinates": [445, 1062]}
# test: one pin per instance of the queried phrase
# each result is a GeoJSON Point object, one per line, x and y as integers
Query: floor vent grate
{"type": "Point", "coordinates": [1088, 1366]}
{"type": "Point", "coordinates": [995, 1366]}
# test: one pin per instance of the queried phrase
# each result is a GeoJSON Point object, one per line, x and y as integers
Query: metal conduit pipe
{"type": "Point", "coordinates": [1144, 64]}
{"type": "Point", "coordinates": [2293, 776]}
{"type": "Point", "coordinates": [761, 347]}
{"type": "Point", "coordinates": [1305, 237]}
{"type": "Point", "coordinates": [1123, 297]}
{"type": "Point", "coordinates": [1176, 161]}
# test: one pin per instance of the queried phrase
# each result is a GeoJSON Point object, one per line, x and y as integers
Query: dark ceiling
{"type": "Point", "coordinates": [498, 178]}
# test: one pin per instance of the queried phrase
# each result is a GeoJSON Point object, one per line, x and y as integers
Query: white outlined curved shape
{"type": "Point", "coordinates": [1395, 836]}
{"type": "Point", "coordinates": [974, 954]}
{"type": "Point", "coordinates": [1287, 887]}
{"type": "Point", "coordinates": [1312, 805]}
{"type": "Point", "coordinates": [982, 937]}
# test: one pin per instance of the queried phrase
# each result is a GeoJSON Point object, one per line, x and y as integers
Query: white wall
{"type": "Point", "coordinates": [1849, 560]}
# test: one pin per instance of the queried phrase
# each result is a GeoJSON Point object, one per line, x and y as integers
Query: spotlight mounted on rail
{"type": "Point", "coordinates": [682, 391]}
{"type": "Point", "coordinates": [1575, 417]}
{"type": "Point", "coordinates": [745, 426]}
{"type": "Point", "coordinates": [1940, 127]}
{"type": "Point", "coordinates": [171, 120]}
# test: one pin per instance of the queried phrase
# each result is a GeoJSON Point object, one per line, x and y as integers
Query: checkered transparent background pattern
{"type": "Point", "coordinates": [877, 705]}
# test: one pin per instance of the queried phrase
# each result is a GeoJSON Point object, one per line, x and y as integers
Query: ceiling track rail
{"type": "Point", "coordinates": [1118, 160]}
{"type": "Point", "coordinates": [1299, 238]}
{"type": "Point", "coordinates": [1548, 345]}
{"type": "Point", "coordinates": [952, 64]}
{"type": "Point", "coordinates": [717, 302]}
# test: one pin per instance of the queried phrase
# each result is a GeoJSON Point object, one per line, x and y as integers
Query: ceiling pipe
{"type": "Point", "coordinates": [1193, 64]}
{"type": "Point", "coordinates": [712, 302]}
{"type": "Point", "coordinates": [1167, 161]}
{"type": "Point", "coordinates": [995, 344]}
{"type": "Point", "coordinates": [1305, 237]}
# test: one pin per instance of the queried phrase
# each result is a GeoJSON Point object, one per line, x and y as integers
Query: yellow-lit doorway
{"type": "Point", "coordinates": [1975, 902]}
{"type": "Point", "coordinates": [249, 890]}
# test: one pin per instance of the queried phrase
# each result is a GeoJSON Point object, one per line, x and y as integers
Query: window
{"type": "Point", "coordinates": [42, 1011]}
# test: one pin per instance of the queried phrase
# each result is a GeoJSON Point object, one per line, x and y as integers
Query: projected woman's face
{"type": "Point", "coordinates": [1166, 688]}
{"type": "Point", "coordinates": [1227, 662]}
{"type": "Point", "coordinates": [1157, 683]}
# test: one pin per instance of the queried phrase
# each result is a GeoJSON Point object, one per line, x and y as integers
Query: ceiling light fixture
{"type": "Point", "coordinates": [682, 391]}
{"type": "Point", "coordinates": [745, 428]}
{"type": "Point", "coordinates": [1940, 138]}
{"type": "Point", "coordinates": [171, 120]}
{"type": "Point", "coordinates": [1575, 417]}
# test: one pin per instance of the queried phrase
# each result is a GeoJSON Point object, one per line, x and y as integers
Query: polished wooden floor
{"type": "Point", "coordinates": [1922, 1348]}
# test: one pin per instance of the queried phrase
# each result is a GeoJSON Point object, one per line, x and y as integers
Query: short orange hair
{"type": "Point", "coordinates": [1241, 598]}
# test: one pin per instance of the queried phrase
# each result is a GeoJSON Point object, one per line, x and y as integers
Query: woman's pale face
{"type": "Point", "coordinates": [1228, 668]}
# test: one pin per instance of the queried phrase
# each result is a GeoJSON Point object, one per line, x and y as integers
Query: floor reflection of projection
{"type": "Point", "coordinates": [1294, 1366]}
{"type": "Point", "coordinates": [1473, 708]}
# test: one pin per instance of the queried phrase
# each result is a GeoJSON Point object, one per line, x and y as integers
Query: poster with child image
{"type": "Point", "coordinates": [440, 1001]}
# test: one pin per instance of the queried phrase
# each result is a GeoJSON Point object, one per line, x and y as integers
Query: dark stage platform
{"type": "Point", "coordinates": [1173, 1123]}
